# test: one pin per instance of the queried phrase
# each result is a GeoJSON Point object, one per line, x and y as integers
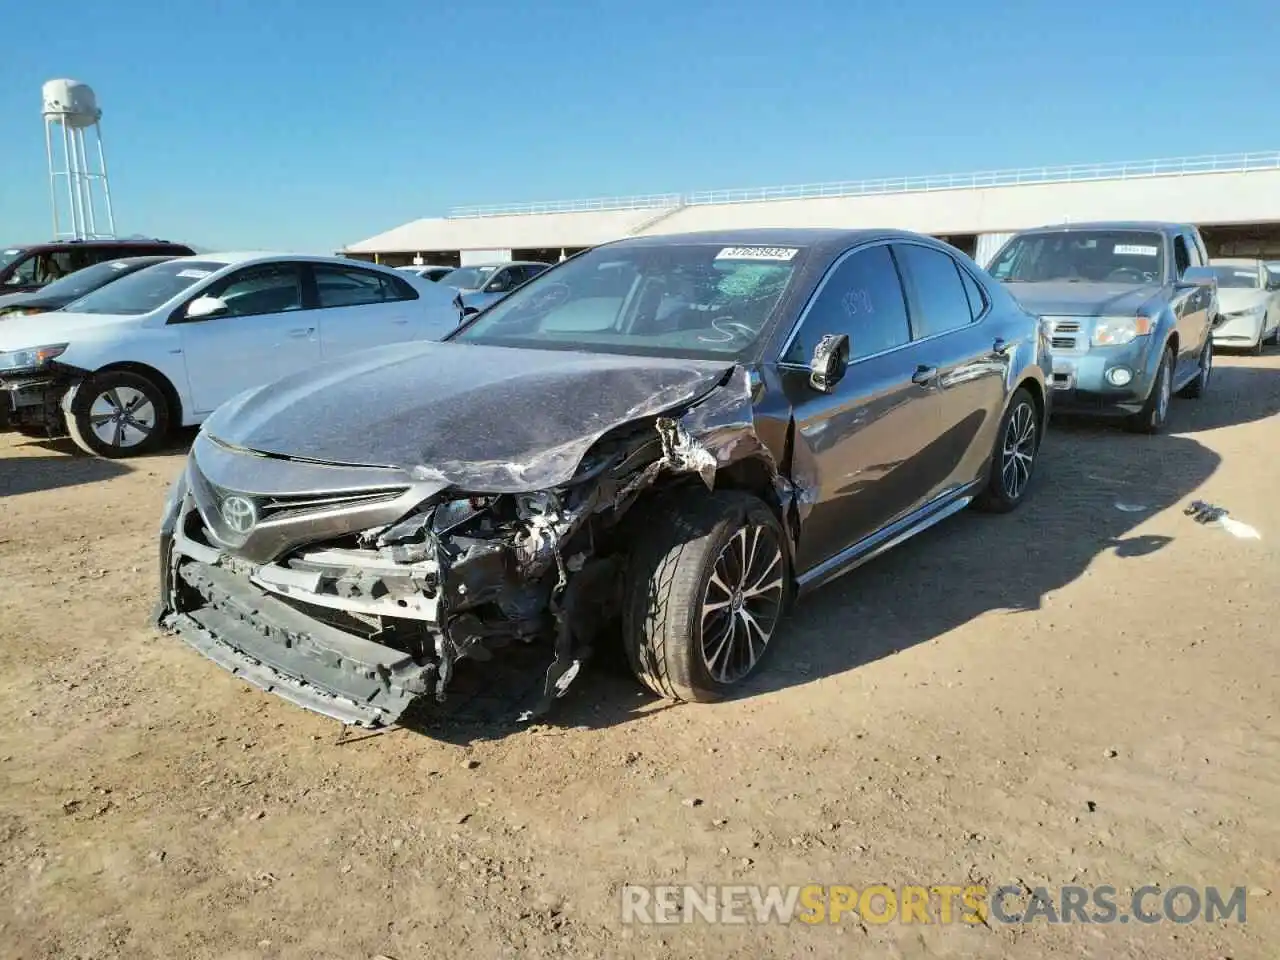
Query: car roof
{"type": "Point", "coordinates": [230, 258]}
{"type": "Point", "coordinates": [100, 244]}
{"type": "Point", "coordinates": [1158, 226]}
{"type": "Point", "coordinates": [500, 263]}
{"type": "Point", "coordinates": [825, 241]}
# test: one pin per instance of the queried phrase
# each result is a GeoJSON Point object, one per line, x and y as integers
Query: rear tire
{"type": "Point", "coordinates": [1197, 387]}
{"type": "Point", "coordinates": [708, 581]}
{"type": "Point", "coordinates": [117, 414]}
{"type": "Point", "coordinates": [1013, 459]}
{"type": "Point", "coordinates": [1155, 412]}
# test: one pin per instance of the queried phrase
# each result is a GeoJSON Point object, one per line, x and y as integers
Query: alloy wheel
{"type": "Point", "coordinates": [1019, 450]}
{"type": "Point", "coordinates": [122, 417]}
{"type": "Point", "coordinates": [1166, 393]}
{"type": "Point", "coordinates": [742, 603]}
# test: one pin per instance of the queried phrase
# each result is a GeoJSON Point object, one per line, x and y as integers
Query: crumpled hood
{"type": "Point", "coordinates": [1061, 298]}
{"type": "Point", "coordinates": [484, 419]}
{"type": "Point", "coordinates": [38, 329]}
{"type": "Point", "coordinates": [1235, 299]}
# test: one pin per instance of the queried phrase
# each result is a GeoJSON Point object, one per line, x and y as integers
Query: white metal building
{"type": "Point", "coordinates": [1234, 199]}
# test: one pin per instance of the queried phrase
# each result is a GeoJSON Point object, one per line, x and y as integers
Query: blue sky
{"type": "Point", "coordinates": [306, 124]}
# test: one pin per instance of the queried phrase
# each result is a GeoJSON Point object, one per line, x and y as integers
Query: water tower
{"type": "Point", "coordinates": [76, 188]}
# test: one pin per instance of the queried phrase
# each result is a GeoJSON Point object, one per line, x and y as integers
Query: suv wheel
{"type": "Point", "coordinates": [117, 414]}
{"type": "Point", "coordinates": [1014, 459]}
{"type": "Point", "coordinates": [1155, 412]}
{"type": "Point", "coordinates": [708, 583]}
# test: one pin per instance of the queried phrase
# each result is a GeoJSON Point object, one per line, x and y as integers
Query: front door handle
{"type": "Point", "coordinates": [400, 320]}
{"type": "Point", "coordinates": [1001, 346]}
{"type": "Point", "coordinates": [302, 331]}
{"type": "Point", "coordinates": [924, 375]}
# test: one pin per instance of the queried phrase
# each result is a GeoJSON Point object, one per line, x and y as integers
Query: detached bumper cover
{"type": "Point", "coordinates": [281, 650]}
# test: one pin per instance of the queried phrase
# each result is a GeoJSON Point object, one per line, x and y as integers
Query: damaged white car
{"type": "Point", "coordinates": [663, 439]}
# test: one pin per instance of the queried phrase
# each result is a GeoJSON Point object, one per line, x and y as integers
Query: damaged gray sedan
{"type": "Point", "coordinates": [664, 439]}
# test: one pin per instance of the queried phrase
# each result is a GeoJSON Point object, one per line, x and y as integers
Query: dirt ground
{"type": "Point", "coordinates": [1082, 692]}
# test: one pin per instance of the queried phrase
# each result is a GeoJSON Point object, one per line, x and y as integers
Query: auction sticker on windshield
{"type": "Point", "coordinates": [194, 274]}
{"type": "Point", "coordinates": [757, 253]}
{"type": "Point", "coordinates": [1128, 250]}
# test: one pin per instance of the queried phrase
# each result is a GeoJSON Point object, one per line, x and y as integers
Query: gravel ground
{"type": "Point", "coordinates": [1082, 692]}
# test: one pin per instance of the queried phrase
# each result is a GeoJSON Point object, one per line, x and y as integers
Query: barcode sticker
{"type": "Point", "coordinates": [757, 253]}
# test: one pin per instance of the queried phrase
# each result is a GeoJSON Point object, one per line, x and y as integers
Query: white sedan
{"type": "Point", "coordinates": [120, 367]}
{"type": "Point", "coordinates": [1248, 303]}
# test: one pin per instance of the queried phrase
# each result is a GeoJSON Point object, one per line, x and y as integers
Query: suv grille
{"type": "Point", "coordinates": [1064, 334]}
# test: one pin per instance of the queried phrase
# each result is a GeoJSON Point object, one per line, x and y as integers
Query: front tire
{"type": "Point", "coordinates": [1155, 412]}
{"type": "Point", "coordinates": [1013, 460]}
{"type": "Point", "coordinates": [1197, 387]}
{"type": "Point", "coordinates": [117, 414]}
{"type": "Point", "coordinates": [708, 582]}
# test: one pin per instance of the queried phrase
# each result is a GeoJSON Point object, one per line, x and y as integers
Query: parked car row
{"type": "Point", "coordinates": [162, 344]}
{"type": "Point", "coordinates": [667, 438]}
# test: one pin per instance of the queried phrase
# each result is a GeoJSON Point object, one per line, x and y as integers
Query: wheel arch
{"type": "Point", "coordinates": [166, 386]}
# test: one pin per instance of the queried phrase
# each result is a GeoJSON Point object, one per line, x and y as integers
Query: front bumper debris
{"type": "Point", "coordinates": [31, 400]}
{"type": "Point", "coordinates": [280, 650]}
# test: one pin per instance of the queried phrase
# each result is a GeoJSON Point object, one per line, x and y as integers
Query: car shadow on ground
{"type": "Point", "coordinates": [31, 474]}
{"type": "Point", "coordinates": [1094, 485]}
{"type": "Point", "coordinates": [66, 465]}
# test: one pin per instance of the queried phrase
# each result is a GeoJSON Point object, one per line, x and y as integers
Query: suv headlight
{"type": "Point", "coordinates": [1116, 331]}
{"type": "Point", "coordinates": [33, 358]}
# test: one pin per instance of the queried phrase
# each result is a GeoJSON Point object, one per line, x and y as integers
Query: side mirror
{"type": "Point", "coordinates": [501, 285]}
{"type": "Point", "coordinates": [1194, 277]}
{"type": "Point", "coordinates": [830, 360]}
{"type": "Point", "coordinates": [202, 308]}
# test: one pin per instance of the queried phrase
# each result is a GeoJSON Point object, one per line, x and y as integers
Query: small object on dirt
{"type": "Point", "coordinates": [692, 802]}
{"type": "Point", "coordinates": [345, 869]}
{"type": "Point", "coordinates": [1259, 892]}
{"type": "Point", "coordinates": [746, 861]}
{"type": "Point", "coordinates": [1093, 807]}
{"type": "Point", "coordinates": [470, 763]}
{"type": "Point", "coordinates": [71, 806]}
{"type": "Point", "coordinates": [157, 856]}
{"type": "Point", "coordinates": [1112, 753]}
{"type": "Point", "coordinates": [719, 822]}
{"type": "Point", "coordinates": [208, 781]}
{"type": "Point", "coordinates": [463, 818]}
{"type": "Point", "coordinates": [724, 851]}
{"type": "Point", "coordinates": [258, 815]}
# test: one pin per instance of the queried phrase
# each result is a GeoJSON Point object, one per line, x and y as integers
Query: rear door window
{"type": "Point", "coordinates": [935, 290]}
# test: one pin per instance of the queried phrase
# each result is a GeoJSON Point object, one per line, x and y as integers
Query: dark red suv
{"type": "Point", "coordinates": [30, 267]}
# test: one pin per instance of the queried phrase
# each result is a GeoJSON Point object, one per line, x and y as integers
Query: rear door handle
{"type": "Point", "coordinates": [400, 320]}
{"type": "Point", "coordinates": [924, 375]}
{"type": "Point", "coordinates": [302, 331]}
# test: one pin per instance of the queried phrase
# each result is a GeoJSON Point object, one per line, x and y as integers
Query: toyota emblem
{"type": "Point", "coordinates": [239, 514]}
